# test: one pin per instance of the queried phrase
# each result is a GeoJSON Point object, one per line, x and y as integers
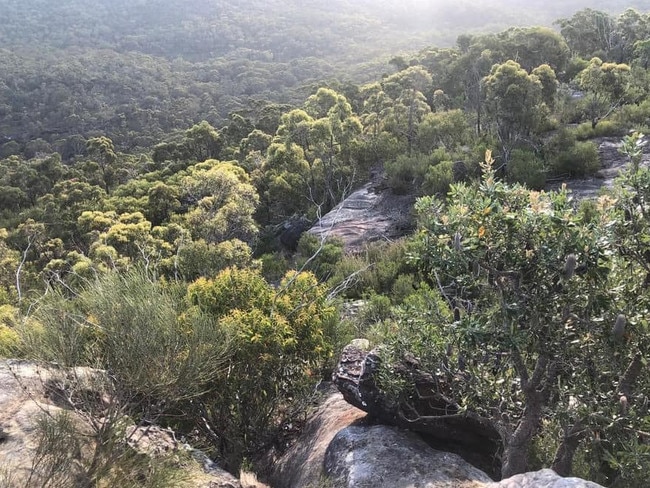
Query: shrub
{"type": "Point", "coordinates": [129, 326]}
{"type": "Point", "coordinates": [584, 131]}
{"type": "Point", "coordinates": [576, 65]}
{"type": "Point", "coordinates": [609, 128]}
{"type": "Point", "coordinates": [532, 304]}
{"type": "Point", "coordinates": [566, 157]}
{"type": "Point", "coordinates": [604, 128]}
{"type": "Point", "coordinates": [438, 178]}
{"type": "Point", "coordinates": [403, 287]}
{"type": "Point", "coordinates": [373, 272]}
{"type": "Point", "coordinates": [377, 308]}
{"type": "Point", "coordinates": [74, 449]}
{"type": "Point", "coordinates": [526, 168]}
{"type": "Point", "coordinates": [406, 173]}
{"type": "Point", "coordinates": [274, 266]}
{"type": "Point", "coordinates": [634, 115]}
{"type": "Point", "coordinates": [231, 289]}
{"type": "Point", "coordinates": [582, 160]}
{"type": "Point", "coordinates": [282, 339]}
{"type": "Point", "coordinates": [9, 342]}
{"type": "Point", "coordinates": [231, 351]}
{"type": "Point", "coordinates": [201, 258]}
{"type": "Point", "coordinates": [351, 276]}
{"type": "Point", "coordinates": [319, 257]}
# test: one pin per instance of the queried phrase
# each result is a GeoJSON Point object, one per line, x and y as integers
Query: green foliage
{"type": "Point", "coordinates": [128, 325]}
{"type": "Point", "coordinates": [634, 115]}
{"type": "Point", "coordinates": [9, 336]}
{"type": "Point", "coordinates": [588, 32]}
{"type": "Point", "coordinates": [533, 285]}
{"type": "Point", "coordinates": [407, 173]}
{"type": "Point", "coordinates": [549, 82]}
{"type": "Point", "coordinates": [319, 257]}
{"type": "Point", "coordinates": [274, 266]}
{"type": "Point", "coordinates": [565, 156]}
{"type": "Point", "coordinates": [200, 258]}
{"type": "Point", "coordinates": [282, 337]}
{"type": "Point", "coordinates": [376, 309]}
{"type": "Point", "coordinates": [374, 272]}
{"type": "Point", "coordinates": [225, 202]}
{"type": "Point", "coordinates": [526, 168]}
{"type": "Point", "coordinates": [514, 102]}
{"type": "Point", "coordinates": [185, 214]}
{"type": "Point", "coordinates": [448, 129]}
{"type": "Point", "coordinates": [232, 289]}
{"type": "Point", "coordinates": [438, 178]}
{"type": "Point", "coordinates": [312, 162]}
{"type": "Point", "coordinates": [607, 86]}
{"type": "Point", "coordinates": [605, 128]}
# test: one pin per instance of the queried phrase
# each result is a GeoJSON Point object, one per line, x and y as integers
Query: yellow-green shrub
{"type": "Point", "coordinates": [9, 338]}
{"type": "Point", "coordinates": [282, 338]}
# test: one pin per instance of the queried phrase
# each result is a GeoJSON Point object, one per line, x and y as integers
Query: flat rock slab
{"type": "Point", "coordinates": [29, 390]}
{"type": "Point", "coordinates": [368, 214]}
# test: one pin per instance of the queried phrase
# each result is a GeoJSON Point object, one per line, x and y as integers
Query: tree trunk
{"type": "Point", "coordinates": [564, 456]}
{"type": "Point", "coordinates": [515, 459]}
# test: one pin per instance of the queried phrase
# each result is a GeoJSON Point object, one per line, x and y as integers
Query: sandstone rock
{"type": "Point", "coordinates": [340, 447]}
{"type": "Point", "coordinates": [29, 390]}
{"type": "Point", "coordinates": [431, 413]}
{"type": "Point", "coordinates": [302, 465]}
{"type": "Point", "coordinates": [383, 456]}
{"type": "Point", "coordinates": [545, 478]}
{"type": "Point", "coordinates": [368, 214]}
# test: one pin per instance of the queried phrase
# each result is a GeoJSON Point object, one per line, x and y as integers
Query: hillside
{"type": "Point", "coordinates": [160, 163]}
{"type": "Point", "coordinates": [138, 70]}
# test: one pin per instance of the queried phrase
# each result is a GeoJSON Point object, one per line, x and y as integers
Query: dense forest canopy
{"type": "Point", "coordinates": [107, 68]}
{"type": "Point", "coordinates": [167, 156]}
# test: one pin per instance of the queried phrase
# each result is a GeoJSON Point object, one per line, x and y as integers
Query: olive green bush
{"type": "Point", "coordinates": [565, 156]}
{"type": "Point", "coordinates": [526, 168]}
{"type": "Point", "coordinates": [534, 317]}
{"type": "Point", "coordinates": [438, 178]}
{"type": "Point", "coordinates": [375, 270]}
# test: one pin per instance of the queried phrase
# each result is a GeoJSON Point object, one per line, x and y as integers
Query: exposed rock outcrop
{"type": "Point", "coordinates": [369, 214]}
{"type": "Point", "coordinates": [340, 447]}
{"type": "Point", "coordinates": [302, 465]}
{"type": "Point", "coordinates": [382, 456]}
{"type": "Point", "coordinates": [30, 390]}
{"type": "Point", "coordinates": [431, 413]}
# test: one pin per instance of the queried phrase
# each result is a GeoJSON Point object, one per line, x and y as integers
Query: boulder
{"type": "Point", "coordinates": [429, 413]}
{"type": "Point", "coordinates": [291, 230]}
{"type": "Point", "coordinates": [30, 390]}
{"type": "Point", "coordinates": [383, 456]}
{"type": "Point", "coordinates": [302, 465]}
{"type": "Point", "coordinates": [341, 448]}
{"type": "Point", "coordinates": [546, 478]}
